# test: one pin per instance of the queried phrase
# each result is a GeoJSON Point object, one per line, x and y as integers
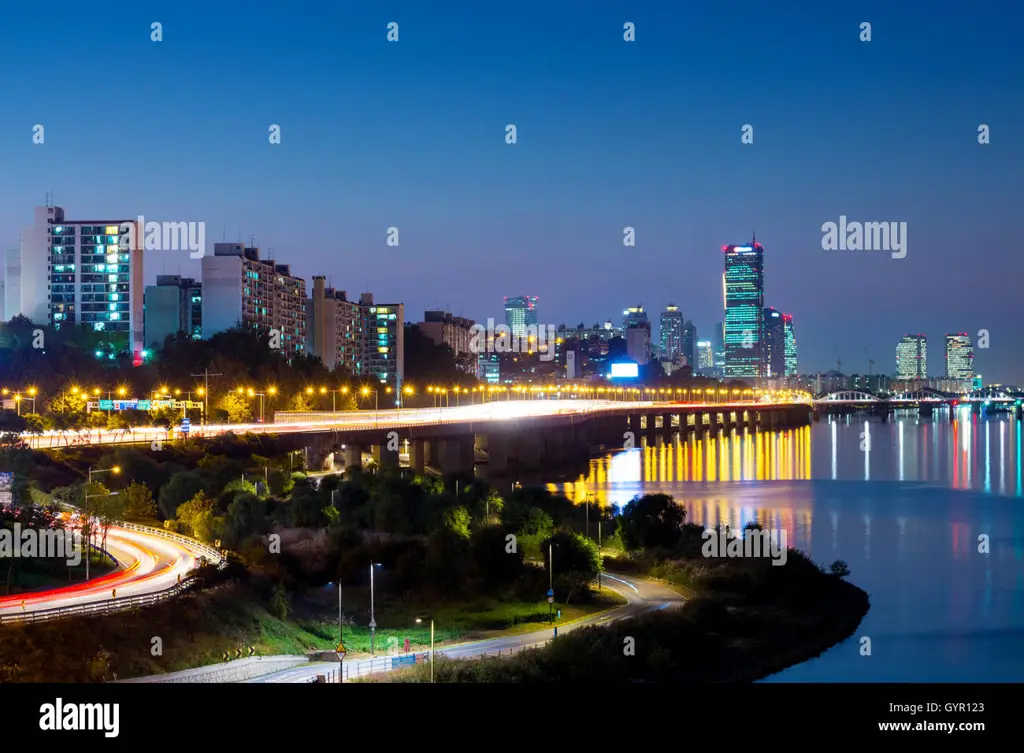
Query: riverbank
{"type": "Point", "coordinates": [745, 620]}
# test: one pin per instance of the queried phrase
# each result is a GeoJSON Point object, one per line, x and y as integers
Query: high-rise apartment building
{"type": "Point", "coordinates": [959, 356]}
{"type": "Point", "coordinates": [912, 357]}
{"type": "Point", "coordinates": [744, 311]}
{"type": "Point", "coordinates": [632, 317]}
{"type": "Point", "coordinates": [671, 333]}
{"type": "Point", "coordinates": [241, 288]}
{"type": "Point", "coordinates": [69, 273]}
{"type": "Point", "coordinates": [790, 345]}
{"type": "Point", "coordinates": [384, 344]}
{"type": "Point", "coordinates": [774, 343]}
{"type": "Point", "coordinates": [638, 343]}
{"type": "Point", "coordinates": [454, 331]}
{"type": "Point", "coordinates": [173, 305]}
{"type": "Point", "coordinates": [334, 328]}
{"type": "Point", "coordinates": [361, 339]}
{"type": "Point", "coordinates": [520, 313]}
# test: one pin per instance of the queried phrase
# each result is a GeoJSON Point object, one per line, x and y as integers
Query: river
{"type": "Point", "coordinates": [907, 504]}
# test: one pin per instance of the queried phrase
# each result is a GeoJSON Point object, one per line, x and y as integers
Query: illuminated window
{"type": "Point", "coordinates": [112, 230]}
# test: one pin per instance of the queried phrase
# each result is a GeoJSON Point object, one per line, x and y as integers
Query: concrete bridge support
{"type": "Point", "coordinates": [529, 449]}
{"type": "Point", "coordinates": [457, 455]}
{"type": "Point", "coordinates": [353, 456]}
{"type": "Point", "coordinates": [418, 455]}
{"type": "Point", "coordinates": [499, 448]}
{"type": "Point", "coordinates": [384, 457]}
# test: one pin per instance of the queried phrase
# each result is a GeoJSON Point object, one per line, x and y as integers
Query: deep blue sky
{"type": "Point", "coordinates": [646, 134]}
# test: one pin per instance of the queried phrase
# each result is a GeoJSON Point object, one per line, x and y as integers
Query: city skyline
{"type": "Point", "coordinates": [485, 219]}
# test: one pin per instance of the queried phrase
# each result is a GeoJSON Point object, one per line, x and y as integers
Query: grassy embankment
{"type": "Point", "coordinates": [745, 620]}
{"type": "Point", "coordinates": [196, 630]}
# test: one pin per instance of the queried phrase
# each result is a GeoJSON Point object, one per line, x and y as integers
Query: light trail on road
{"type": "Point", "coordinates": [146, 564]}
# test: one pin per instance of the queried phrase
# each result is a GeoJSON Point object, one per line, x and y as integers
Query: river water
{"type": "Point", "coordinates": [906, 503]}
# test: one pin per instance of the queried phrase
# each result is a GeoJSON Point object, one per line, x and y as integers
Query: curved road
{"type": "Point", "coordinates": [642, 596]}
{"type": "Point", "coordinates": [146, 564]}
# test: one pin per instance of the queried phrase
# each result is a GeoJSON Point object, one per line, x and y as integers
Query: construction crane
{"type": "Point", "coordinates": [871, 363]}
{"type": "Point", "coordinates": [839, 363]}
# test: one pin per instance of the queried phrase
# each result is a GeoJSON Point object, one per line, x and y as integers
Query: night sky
{"type": "Point", "coordinates": [610, 134]}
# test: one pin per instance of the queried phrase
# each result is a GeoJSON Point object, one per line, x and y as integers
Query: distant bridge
{"type": "Point", "coordinates": [908, 399]}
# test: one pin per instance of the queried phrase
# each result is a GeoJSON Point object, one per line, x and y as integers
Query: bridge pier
{"type": "Point", "coordinates": [418, 455]}
{"type": "Point", "coordinates": [529, 450]}
{"type": "Point", "coordinates": [353, 456]}
{"type": "Point", "coordinates": [498, 447]}
{"type": "Point", "coordinates": [384, 457]}
{"type": "Point", "coordinates": [457, 455]}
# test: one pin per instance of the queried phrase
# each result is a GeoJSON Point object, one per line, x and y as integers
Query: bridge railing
{"type": "Point", "coordinates": [107, 606]}
{"type": "Point", "coordinates": [211, 554]}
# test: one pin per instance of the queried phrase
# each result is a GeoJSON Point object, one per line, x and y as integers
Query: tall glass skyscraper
{"type": "Point", "coordinates": [775, 343]}
{"type": "Point", "coordinates": [959, 356]}
{"type": "Point", "coordinates": [791, 367]}
{"type": "Point", "coordinates": [671, 333]}
{"type": "Point", "coordinates": [744, 311]}
{"type": "Point", "coordinates": [912, 357]}
{"type": "Point", "coordinates": [520, 313]}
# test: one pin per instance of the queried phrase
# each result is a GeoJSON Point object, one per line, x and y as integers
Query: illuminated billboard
{"type": "Point", "coordinates": [624, 371]}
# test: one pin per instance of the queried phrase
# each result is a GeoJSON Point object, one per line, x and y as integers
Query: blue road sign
{"type": "Point", "coordinates": [550, 593]}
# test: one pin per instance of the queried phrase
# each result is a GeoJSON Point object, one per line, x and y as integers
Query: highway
{"type": "Point", "coordinates": [503, 410]}
{"type": "Point", "coordinates": [147, 563]}
{"type": "Point", "coordinates": [642, 596]}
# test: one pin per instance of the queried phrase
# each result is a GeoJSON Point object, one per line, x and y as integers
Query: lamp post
{"type": "Point", "coordinates": [551, 580]}
{"type": "Point", "coordinates": [88, 515]}
{"type": "Point", "coordinates": [365, 393]}
{"type": "Point", "coordinates": [373, 621]}
{"type": "Point", "coordinates": [405, 391]}
{"type": "Point", "coordinates": [420, 620]}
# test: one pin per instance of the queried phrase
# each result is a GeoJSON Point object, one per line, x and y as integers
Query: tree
{"type": "Point", "coordinates": [238, 407]}
{"type": "Point", "coordinates": [110, 510]}
{"type": "Point", "coordinates": [576, 563]}
{"type": "Point", "coordinates": [839, 569]}
{"type": "Point", "coordinates": [138, 502]}
{"type": "Point", "coordinates": [181, 488]}
{"type": "Point", "coordinates": [653, 521]}
{"type": "Point", "coordinates": [195, 515]}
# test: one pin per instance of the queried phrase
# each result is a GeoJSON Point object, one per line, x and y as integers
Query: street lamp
{"type": "Point", "coordinates": [551, 580]}
{"type": "Point", "coordinates": [420, 620]}
{"type": "Point", "coordinates": [365, 391]}
{"type": "Point", "coordinates": [373, 621]}
{"type": "Point", "coordinates": [88, 515]}
{"type": "Point", "coordinates": [408, 391]}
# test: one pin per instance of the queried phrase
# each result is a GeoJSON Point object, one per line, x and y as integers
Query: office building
{"type": "Point", "coordinates": [718, 347]}
{"type": "Point", "coordinates": [744, 311]}
{"type": "Point", "coordinates": [688, 356]}
{"type": "Point", "coordinates": [671, 333]}
{"type": "Point", "coordinates": [705, 357]}
{"type": "Point", "coordinates": [384, 344]}
{"type": "Point", "coordinates": [959, 356]}
{"type": "Point", "coordinates": [520, 313]}
{"type": "Point", "coordinates": [455, 332]}
{"type": "Point", "coordinates": [74, 272]}
{"type": "Point", "coordinates": [774, 343]}
{"type": "Point", "coordinates": [240, 288]}
{"type": "Point", "coordinates": [173, 305]}
{"type": "Point", "coordinates": [790, 345]}
{"type": "Point", "coordinates": [912, 357]}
